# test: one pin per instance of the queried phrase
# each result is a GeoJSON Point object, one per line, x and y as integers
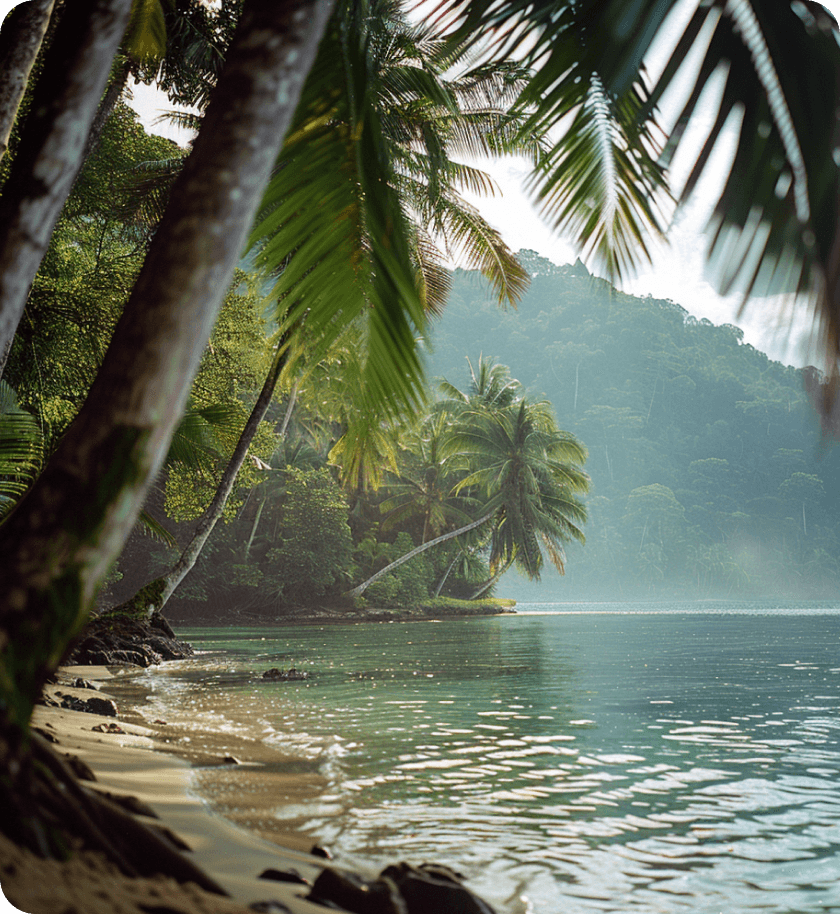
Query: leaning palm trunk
{"type": "Point", "coordinates": [358, 591]}
{"type": "Point", "coordinates": [488, 584]}
{"type": "Point", "coordinates": [155, 596]}
{"type": "Point", "coordinates": [60, 541]}
{"type": "Point", "coordinates": [445, 575]}
{"type": "Point", "coordinates": [20, 40]}
{"type": "Point", "coordinates": [51, 147]}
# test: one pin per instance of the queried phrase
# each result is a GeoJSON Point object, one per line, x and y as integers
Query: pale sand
{"type": "Point", "coordinates": [133, 763]}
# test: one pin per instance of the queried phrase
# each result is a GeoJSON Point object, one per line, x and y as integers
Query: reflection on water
{"type": "Point", "coordinates": [657, 760]}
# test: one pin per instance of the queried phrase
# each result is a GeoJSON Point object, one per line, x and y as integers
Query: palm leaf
{"type": "Point", "coordinates": [334, 225]}
{"type": "Point", "coordinates": [21, 448]}
{"type": "Point", "coordinates": [145, 37]}
{"type": "Point", "coordinates": [775, 221]}
{"type": "Point", "coordinates": [156, 530]}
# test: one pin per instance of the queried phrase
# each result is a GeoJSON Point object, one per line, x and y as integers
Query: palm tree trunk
{"type": "Point", "coordinates": [488, 584]}
{"type": "Point", "coordinates": [281, 434]}
{"type": "Point", "coordinates": [215, 509]}
{"type": "Point", "coordinates": [445, 575]}
{"type": "Point", "coordinates": [254, 529]}
{"type": "Point", "coordinates": [49, 157]}
{"type": "Point", "coordinates": [358, 591]}
{"type": "Point", "coordinates": [20, 40]}
{"type": "Point", "coordinates": [106, 107]}
{"type": "Point", "coordinates": [61, 539]}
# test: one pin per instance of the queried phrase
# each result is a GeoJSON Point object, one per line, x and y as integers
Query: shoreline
{"type": "Point", "coordinates": [138, 762]}
{"type": "Point", "coordinates": [331, 615]}
{"type": "Point", "coordinates": [151, 770]}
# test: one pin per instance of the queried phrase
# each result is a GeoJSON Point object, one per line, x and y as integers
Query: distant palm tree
{"type": "Point", "coordinates": [530, 473]}
{"type": "Point", "coordinates": [526, 476]}
{"type": "Point", "coordinates": [424, 488]}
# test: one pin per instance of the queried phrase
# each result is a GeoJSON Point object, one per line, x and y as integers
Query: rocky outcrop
{"type": "Point", "coordinates": [399, 889]}
{"type": "Point", "coordinates": [291, 675]}
{"type": "Point", "coordinates": [113, 638]}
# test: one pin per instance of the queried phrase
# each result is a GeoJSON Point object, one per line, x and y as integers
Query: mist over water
{"type": "Point", "coordinates": [575, 758]}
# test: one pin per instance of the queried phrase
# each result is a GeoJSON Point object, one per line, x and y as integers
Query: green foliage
{"type": "Point", "coordinates": [407, 585]}
{"type": "Point", "coordinates": [21, 446]}
{"type": "Point", "coordinates": [84, 281]}
{"type": "Point", "coordinates": [313, 554]}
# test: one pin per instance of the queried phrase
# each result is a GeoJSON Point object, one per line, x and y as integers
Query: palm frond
{"type": "Point", "coordinates": [21, 448]}
{"type": "Point", "coordinates": [203, 435]}
{"type": "Point", "coordinates": [776, 219]}
{"type": "Point", "coordinates": [152, 527]}
{"type": "Point", "coordinates": [145, 37]}
{"type": "Point", "coordinates": [334, 227]}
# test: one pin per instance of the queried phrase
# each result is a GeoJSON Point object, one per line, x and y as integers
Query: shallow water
{"type": "Point", "coordinates": [643, 758]}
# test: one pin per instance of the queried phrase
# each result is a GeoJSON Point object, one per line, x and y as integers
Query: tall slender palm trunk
{"type": "Point", "coordinates": [51, 148]}
{"type": "Point", "coordinates": [20, 40]}
{"type": "Point", "coordinates": [156, 597]}
{"type": "Point", "coordinates": [358, 591]}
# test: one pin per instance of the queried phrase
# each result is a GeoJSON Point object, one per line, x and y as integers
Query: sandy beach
{"type": "Point", "coordinates": [139, 762]}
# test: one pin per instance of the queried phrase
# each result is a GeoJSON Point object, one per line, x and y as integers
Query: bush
{"type": "Point", "coordinates": [408, 585]}
{"type": "Point", "coordinates": [314, 551]}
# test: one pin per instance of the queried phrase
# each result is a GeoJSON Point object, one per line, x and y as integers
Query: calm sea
{"type": "Point", "coordinates": [571, 758]}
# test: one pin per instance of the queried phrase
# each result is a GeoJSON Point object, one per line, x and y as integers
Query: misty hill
{"type": "Point", "coordinates": [709, 475]}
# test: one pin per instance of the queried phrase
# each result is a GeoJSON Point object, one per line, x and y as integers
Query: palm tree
{"type": "Point", "coordinates": [526, 476]}
{"type": "Point", "coordinates": [424, 487]}
{"type": "Point", "coordinates": [422, 118]}
{"type": "Point", "coordinates": [491, 387]}
{"type": "Point", "coordinates": [530, 472]}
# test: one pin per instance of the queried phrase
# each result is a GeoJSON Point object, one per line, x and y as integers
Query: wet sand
{"type": "Point", "coordinates": [140, 762]}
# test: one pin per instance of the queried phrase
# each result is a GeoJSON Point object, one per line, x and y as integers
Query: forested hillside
{"type": "Point", "coordinates": [709, 473]}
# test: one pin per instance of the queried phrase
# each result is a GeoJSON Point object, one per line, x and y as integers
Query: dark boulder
{"type": "Point", "coordinates": [112, 639]}
{"type": "Point", "coordinates": [434, 888]}
{"type": "Point", "coordinates": [352, 893]}
{"type": "Point", "coordinates": [103, 706]}
{"type": "Point", "coordinates": [291, 675]}
{"type": "Point", "coordinates": [399, 889]}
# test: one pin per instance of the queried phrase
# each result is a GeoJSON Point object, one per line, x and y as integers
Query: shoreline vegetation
{"type": "Point", "coordinates": [340, 614]}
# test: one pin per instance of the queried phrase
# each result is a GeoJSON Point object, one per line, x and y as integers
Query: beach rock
{"type": "Point", "coordinates": [107, 728]}
{"type": "Point", "coordinates": [110, 640]}
{"type": "Point", "coordinates": [270, 907]}
{"type": "Point", "coordinates": [352, 893]}
{"type": "Point", "coordinates": [231, 760]}
{"type": "Point", "coordinates": [290, 875]}
{"type": "Point", "coordinates": [291, 675]}
{"type": "Point", "coordinates": [399, 889]}
{"type": "Point", "coordinates": [433, 888]}
{"type": "Point", "coordinates": [84, 684]}
{"type": "Point", "coordinates": [317, 851]}
{"type": "Point", "coordinates": [102, 706]}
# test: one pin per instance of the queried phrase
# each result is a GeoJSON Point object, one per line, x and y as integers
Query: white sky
{"type": "Point", "coordinates": [677, 271]}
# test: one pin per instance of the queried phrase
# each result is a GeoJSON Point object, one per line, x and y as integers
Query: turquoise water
{"type": "Point", "coordinates": [643, 758]}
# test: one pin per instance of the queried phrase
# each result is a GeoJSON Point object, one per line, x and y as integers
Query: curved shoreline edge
{"type": "Point", "coordinates": [131, 759]}
{"type": "Point", "coordinates": [136, 763]}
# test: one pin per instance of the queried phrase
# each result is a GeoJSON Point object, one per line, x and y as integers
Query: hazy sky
{"type": "Point", "coordinates": [678, 270]}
